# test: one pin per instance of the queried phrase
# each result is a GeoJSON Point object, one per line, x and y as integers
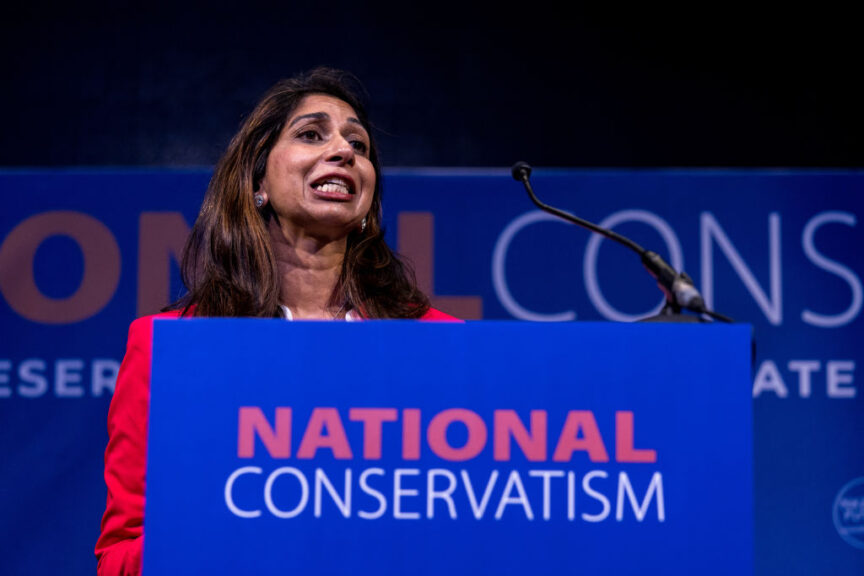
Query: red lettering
{"type": "Point", "coordinates": [436, 435]}
{"type": "Point", "coordinates": [101, 267]}
{"type": "Point", "coordinates": [570, 440]}
{"type": "Point", "coordinates": [161, 237]}
{"type": "Point", "coordinates": [373, 419]}
{"type": "Point", "coordinates": [416, 241]}
{"type": "Point", "coordinates": [624, 450]}
{"type": "Point", "coordinates": [314, 437]}
{"type": "Point", "coordinates": [277, 441]}
{"type": "Point", "coordinates": [325, 430]}
{"type": "Point", "coordinates": [411, 434]}
{"type": "Point", "coordinates": [508, 425]}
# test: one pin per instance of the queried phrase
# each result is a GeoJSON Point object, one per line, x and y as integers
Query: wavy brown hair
{"type": "Point", "coordinates": [228, 263]}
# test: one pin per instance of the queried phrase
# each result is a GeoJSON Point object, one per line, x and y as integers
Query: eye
{"type": "Point", "coordinates": [309, 134]}
{"type": "Point", "coordinates": [360, 146]}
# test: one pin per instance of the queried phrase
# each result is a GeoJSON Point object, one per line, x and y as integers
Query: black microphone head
{"type": "Point", "coordinates": [520, 171]}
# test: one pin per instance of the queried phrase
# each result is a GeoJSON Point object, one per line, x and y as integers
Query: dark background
{"type": "Point", "coordinates": [450, 85]}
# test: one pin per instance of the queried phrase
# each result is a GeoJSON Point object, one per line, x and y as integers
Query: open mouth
{"type": "Point", "coordinates": [334, 185]}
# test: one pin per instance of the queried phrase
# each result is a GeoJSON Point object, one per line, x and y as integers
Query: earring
{"type": "Point", "coordinates": [259, 200]}
{"type": "Point", "coordinates": [363, 225]}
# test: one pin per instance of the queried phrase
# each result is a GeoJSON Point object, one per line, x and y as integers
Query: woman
{"type": "Point", "coordinates": [290, 228]}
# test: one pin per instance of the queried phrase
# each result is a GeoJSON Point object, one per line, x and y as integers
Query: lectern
{"type": "Point", "coordinates": [393, 447]}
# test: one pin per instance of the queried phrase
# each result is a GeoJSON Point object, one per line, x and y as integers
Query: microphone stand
{"type": "Point", "coordinates": [678, 288]}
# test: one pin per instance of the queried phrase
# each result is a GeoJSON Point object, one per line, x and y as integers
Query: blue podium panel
{"type": "Point", "coordinates": [415, 448]}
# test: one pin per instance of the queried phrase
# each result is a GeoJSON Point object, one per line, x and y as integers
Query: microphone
{"type": "Point", "coordinates": [521, 171]}
{"type": "Point", "coordinates": [679, 290]}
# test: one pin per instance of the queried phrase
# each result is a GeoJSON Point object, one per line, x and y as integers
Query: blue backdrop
{"type": "Point", "coordinates": [84, 252]}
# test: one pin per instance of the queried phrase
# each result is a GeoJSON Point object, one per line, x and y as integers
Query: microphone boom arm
{"type": "Point", "coordinates": [678, 289]}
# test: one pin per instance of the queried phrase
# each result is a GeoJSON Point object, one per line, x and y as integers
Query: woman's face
{"type": "Point", "coordinates": [319, 179]}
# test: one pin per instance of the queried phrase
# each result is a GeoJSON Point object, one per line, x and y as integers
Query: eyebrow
{"type": "Point", "coordinates": [322, 116]}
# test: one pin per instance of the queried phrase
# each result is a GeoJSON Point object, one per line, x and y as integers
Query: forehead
{"type": "Point", "coordinates": [338, 110]}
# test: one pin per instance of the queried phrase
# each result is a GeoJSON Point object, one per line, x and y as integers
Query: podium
{"type": "Point", "coordinates": [392, 447]}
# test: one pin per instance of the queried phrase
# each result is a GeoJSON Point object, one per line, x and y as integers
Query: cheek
{"type": "Point", "coordinates": [367, 205]}
{"type": "Point", "coordinates": [369, 179]}
{"type": "Point", "coordinates": [287, 163]}
{"type": "Point", "coordinates": [284, 178]}
{"type": "Point", "coordinates": [370, 196]}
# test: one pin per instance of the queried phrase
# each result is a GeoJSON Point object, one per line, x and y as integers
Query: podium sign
{"type": "Point", "coordinates": [419, 448]}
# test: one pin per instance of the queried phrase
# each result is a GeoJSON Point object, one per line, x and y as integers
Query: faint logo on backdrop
{"type": "Point", "coordinates": [849, 513]}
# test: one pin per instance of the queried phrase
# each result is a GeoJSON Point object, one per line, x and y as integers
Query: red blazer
{"type": "Point", "coordinates": [119, 546]}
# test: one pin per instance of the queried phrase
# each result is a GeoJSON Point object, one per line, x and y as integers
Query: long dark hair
{"type": "Point", "coordinates": [228, 263]}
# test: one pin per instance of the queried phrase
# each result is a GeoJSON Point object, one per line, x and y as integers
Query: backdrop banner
{"type": "Point", "coordinates": [416, 448]}
{"type": "Point", "coordinates": [85, 251]}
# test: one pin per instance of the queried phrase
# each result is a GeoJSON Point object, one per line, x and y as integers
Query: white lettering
{"type": "Point", "coordinates": [711, 230]}
{"type": "Point", "coordinates": [768, 378]}
{"type": "Point", "coordinates": [807, 242]}
{"type": "Point", "coordinates": [29, 373]}
{"type": "Point", "coordinates": [229, 487]}
{"type": "Point", "coordinates": [624, 486]}
{"type": "Point", "coordinates": [399, 493]}
{"type": "Point", "coordinates": [840, 373]}
{"type": "Point", "coordinates": [33, 377]}
{"type": "Point", "coordinates": [547, 476]}
{"type": "Point", "coordinates": [472, 498]}
{"type": "Point", "coordinates": [440, 485]}
{"type": "Point", "coordinates": [66, 373]}
{"type": "Point", "coordinates": [499, 273]}
{"type": "Point", "coordinates": [446, 494]}
{"type": "Point", "coordinates": [344, 505]}
{"type": "Point", "coordinates": [5, 367]}
{"type": "Point", "coordinates": [304, 492]}
{"type": "Point", "coordinates": [103, 376]}
{"type": "Point", "coordinates": [364, 485]}
{"type": "Point", "coordinates": [586, 487]}
{"type": "Point", "coordinates": [514, 481]}
{"type": "Point", "coordinates": [592, 285]}
{"type": "Point", "coordinates": [804, 368]}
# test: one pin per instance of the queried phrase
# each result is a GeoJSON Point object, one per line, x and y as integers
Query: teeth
{"type": "Point", "coordinates": [334, 186]}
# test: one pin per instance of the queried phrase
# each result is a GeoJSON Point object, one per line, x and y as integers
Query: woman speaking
{"type": "Point", "coordinates": [290, 228]}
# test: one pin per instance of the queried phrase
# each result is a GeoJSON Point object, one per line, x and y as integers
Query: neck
{"type": "Point", "coordinates": [309, 269]}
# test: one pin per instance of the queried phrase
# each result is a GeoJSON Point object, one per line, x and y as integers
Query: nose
{"type": "Point", "coordinates": [341, 151]}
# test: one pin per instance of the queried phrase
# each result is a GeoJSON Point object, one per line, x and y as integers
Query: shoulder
{"type": "Point", "coordinates": [142, 328]}
{"type": "Point", "coordinates": [170, 314]}
{"type": "Point", "coordinates": [139, 343]}
{"type": "Point", "coordinates": [433, 315]}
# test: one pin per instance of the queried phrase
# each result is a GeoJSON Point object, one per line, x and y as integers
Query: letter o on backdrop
{"type": "Point", "coordinates": [101, 267]}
